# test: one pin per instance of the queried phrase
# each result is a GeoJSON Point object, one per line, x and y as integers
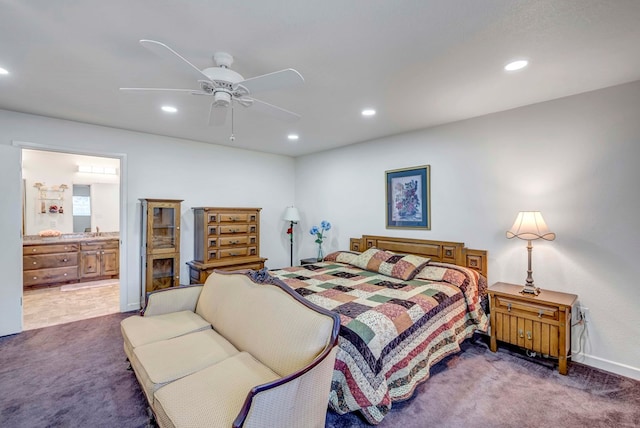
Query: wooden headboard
{"type": "Point", "coordinates": [438, 251]}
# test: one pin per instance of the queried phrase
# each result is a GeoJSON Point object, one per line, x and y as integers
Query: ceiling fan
{"type": "Point", "coordinates": [225, 85]}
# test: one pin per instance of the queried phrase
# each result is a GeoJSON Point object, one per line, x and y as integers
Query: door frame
{"type": "Point", "coordinates": [124, 306]}
{"type": "Point", "coordinates": [11, 318]}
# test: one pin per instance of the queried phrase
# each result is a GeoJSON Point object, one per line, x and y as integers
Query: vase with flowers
{"type": "Point", "coordinates": [319, 232]}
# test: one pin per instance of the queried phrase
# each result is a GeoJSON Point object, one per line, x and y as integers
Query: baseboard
{"type": "Point", "coordinates": [607, 365]}
{"type": "Point", "coordinates": [135, 306]}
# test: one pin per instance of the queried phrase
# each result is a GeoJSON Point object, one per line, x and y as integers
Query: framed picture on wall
{"type": "Point", "coordinates": [408, 198]}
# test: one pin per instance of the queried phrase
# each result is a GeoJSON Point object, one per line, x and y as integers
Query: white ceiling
{"type": "Point", "coordinates": [419, 63]}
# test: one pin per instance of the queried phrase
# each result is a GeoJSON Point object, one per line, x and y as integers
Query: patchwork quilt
{"type": "Point", "coordinates": [392, 330]}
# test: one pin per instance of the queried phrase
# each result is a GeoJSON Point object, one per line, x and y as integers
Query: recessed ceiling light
{"type": "Point", "coordinates": [516, 65]}
{"type": "Point", "coordinates": [293, 137]}
{"type": "Point", "coordinates": [169, 109]}
{"type": "Point", "coordinates": [368, 112]}
{"type": "Point", "coordinates": [3, 71]}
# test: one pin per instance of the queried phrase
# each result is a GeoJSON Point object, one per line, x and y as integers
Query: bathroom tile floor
{"type": "Point", "coordinates": [43, 307]}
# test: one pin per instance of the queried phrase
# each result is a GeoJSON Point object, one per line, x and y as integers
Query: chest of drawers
{"type": "Point", "coordinates": [225, 238]}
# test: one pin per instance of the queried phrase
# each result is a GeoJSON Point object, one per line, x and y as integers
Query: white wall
{"type": "Point", "coordinates": [161, 167]}
{"type": "Point", "coordinates": [575, 159]}
{"type": "Point", "coordinates": [105, 202]}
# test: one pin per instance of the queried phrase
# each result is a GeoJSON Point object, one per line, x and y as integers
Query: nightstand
{"type": "Point", "coordinates": [308, 261]}
{"type": "Point", "coordinates": [539, 323]}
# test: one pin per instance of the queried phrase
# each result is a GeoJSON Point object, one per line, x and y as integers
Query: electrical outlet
{"type": "Point", "coordinates": [580, 314]}
{"type": "Point", "coordinates": [584, 313]}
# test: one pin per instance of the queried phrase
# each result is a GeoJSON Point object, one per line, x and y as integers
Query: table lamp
{"type": "Point", "coordinates": [530, 225]}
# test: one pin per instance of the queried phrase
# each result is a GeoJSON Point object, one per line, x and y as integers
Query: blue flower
{"type": "Point", "coordinates": [318, 232]}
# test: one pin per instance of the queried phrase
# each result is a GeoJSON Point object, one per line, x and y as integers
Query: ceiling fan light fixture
{"type": "Point", "coordinates": [221, 99]}
{"type": "Point", "coordinates": [293, 137]}
{"type": "Point", "coordinates": [368, 112]}
{"type": "Point", "coordinates": [3, 71]}
{"type": "Point", "coordinates": [516, 65]}
{"type": "Point", "coordinates": [169, 109]}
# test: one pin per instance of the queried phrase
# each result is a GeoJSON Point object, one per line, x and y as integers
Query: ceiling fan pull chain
{"type": "Point", "coordinates": [233, 137]}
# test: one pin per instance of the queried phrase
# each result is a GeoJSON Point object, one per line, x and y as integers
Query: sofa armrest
{"type": "Point", "coordinates": [271, 404]}
{"type": "Point", "coordinates": [175, 299]}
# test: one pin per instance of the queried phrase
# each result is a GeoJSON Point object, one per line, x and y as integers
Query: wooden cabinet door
{"type": "Point", "coordinates": [89, 264]}
{"type": "Point", "coordinates": [109, 263]}
{"type": "Point", "coordinates": [162, 271]}
{"type": "Point", "coordinates": [163, 227]}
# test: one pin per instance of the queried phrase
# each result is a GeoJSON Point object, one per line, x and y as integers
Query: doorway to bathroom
{"type": "Point", "coordinates": [71, 211]}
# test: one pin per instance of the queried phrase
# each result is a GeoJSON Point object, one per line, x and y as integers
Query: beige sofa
{"type": "Point", "coordinates": [242, 350]}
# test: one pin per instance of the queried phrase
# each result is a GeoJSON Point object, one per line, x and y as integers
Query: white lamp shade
{"type": "Point", "coordinates": [291, 214]}
{"type": "Point", "coordinates": [530, 225]}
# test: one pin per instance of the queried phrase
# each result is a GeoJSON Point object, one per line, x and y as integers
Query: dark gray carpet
{"type": "Point", "coordinates": [74, 375]}
{"type": "Point", "coordinates": [70, 375]}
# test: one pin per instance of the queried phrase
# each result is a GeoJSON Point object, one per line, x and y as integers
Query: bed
{"type": "Point", "coordinates": [404, 305]}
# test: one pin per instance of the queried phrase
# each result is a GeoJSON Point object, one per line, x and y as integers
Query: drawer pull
{"type": "Point", "coordinates": [540, 313]}
{"type": "Point", "coordinates": [509, 308]}
{"type": "Point", "coordinates": [35, 263]}
{"type": "Point", "coordinates": [529, 335]}
{"type": "Point", "coordinates": [520, 333]}
{"type": "Point", "coordinates": [35, 277]}
{"type": "Point", "coordinates": [34, 250]}
{"type": "Point", "coordinates": [64, 260]}
{"type": "Point", "coordinates": [64, 274]}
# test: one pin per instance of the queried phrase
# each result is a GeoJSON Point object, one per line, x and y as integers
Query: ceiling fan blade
{"type": "Point", "coordinates": [244, 101]}
{"type": "Point", "coordinates": [277, 80]}
{"type": "Point", "coordinates": [217, 115]}
{"type": "Point", "coordinates": [189, 91]}
{"type": "Point", "coordinates": [276, 111]}
{"type": "Point", "coordinates": [169, 54]}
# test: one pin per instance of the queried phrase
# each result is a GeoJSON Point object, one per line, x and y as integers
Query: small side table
{"type": "Point", "coordinates": [539, 323]}
{"type": "Point", "coordinates": [308, 261]}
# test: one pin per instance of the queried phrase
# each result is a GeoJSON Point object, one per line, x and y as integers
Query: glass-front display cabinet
{"type": "Point", "coordinates": [160, 248]}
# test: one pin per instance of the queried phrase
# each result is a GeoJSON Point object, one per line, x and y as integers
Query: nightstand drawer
{"type": "Point", "coordinates": [524, 308]}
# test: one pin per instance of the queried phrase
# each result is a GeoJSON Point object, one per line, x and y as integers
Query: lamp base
{"type": "Point", "coordinates": [530, 289]}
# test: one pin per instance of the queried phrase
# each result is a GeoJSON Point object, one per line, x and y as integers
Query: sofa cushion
{"type": "Point", "coordinates": [213, 396]}
{"type": "Point", "coordinates": [159, 363]}
{"type": "Point", "coordinates": [138, 331]}
{"type": "Point", "coordinates": [265, 321]}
